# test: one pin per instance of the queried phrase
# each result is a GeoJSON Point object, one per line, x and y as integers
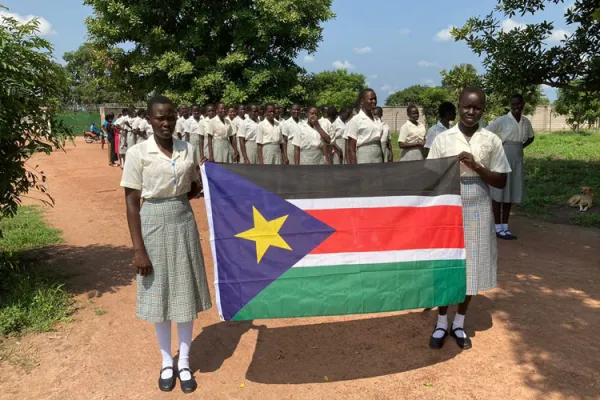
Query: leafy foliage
{"type": "Point", "coordinates": [334, 88]}
{"type": "Point", "coordinates": [410, 95]}
{"type": "Point", "coordinates": [199, 51]}
{"type": "Point", "coordinates": [32, 85]}
{"type": "Point", "coordinates": [523, 56]}
{"type": "Point", "coordinates": [579, 107]}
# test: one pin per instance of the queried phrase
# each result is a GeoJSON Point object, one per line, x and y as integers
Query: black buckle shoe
{"type": "Point", "coordinates": [437, 343]}
{"type": "Point", "coordinates": [462, 342]}
{"type": "Point", "coordinates": [190, 385]}
{"type": "Point", "coordinates": [166, 385]}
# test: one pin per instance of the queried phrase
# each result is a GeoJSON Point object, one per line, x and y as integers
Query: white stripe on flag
{"type": "Point", "coordinates": [376, 202]}
{"type": "Point", "coordinates": [380, 257]}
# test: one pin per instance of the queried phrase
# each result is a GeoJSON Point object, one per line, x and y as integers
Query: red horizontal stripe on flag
{"type": "Point", "coordinates": [391, 228]}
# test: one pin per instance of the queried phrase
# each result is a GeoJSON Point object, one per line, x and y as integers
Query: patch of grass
{"type": "Point", "coordinates": [589, 220]}
{"type": "Point", "coordinates": [32, 297]}
{"type": "Point", "coordinates": [80, 121]}
{"type": "Point", "coordinates": [100, 311]}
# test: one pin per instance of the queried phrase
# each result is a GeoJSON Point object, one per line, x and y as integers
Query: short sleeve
{"type": "Point", "coordinates": [230, 129]}
{"type": "Point", "coordinates": [279, 134]}
{"type": "Point", "coordinates": [435, 150]}
{"type": "Point", "coordinates": [495, 126]}
{"type": "Point", "coordinates": [297, 140]}
{"type": "Point", "coordinates": [430, 136]}
{"type": "Point", "coordinates": [210, 128]}
{"type": "Point", "coordinates": [132, 171]}
{"type": "Point", "coordinates": [403, 133]}
{"type": "Point", "coordinates": [499, 162]}
{"type": "Point", "coordinates": [241, 131]}
{"type": "Point", "coordinates": [259, 134]}
{"type": "Point", "coordinates": [331, 131]}
{"type": "Point", "coordinates": [530, 132]}
{"type": "Point", "coordinates": [284, 129]}
{"type": "Point", "coordinates": [351, 130]}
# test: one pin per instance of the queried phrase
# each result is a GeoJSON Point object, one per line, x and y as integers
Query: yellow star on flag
{"type": "Point", "coordinates": [265, 234]}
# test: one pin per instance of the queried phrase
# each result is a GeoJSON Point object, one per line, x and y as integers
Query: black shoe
{"type": "Point", "coordinates": [502, 235]}
{"type": "Point", "coordinates": [437, 343]}
{"type": "Point", "coordinates": [462, 342]}
{"type": "Point", "coordinates": [510, 236]}
{"type": "Point", "coordinates": [166, 385]}
{"type": "Point", "coordinates": [190, 385]}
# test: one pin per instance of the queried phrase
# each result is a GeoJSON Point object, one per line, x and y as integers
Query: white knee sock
{"type": "Point", "coordinates": [184, 330]}
{"type": "Point", "coordinates": [505, 227]}
{"type": "Point", "coordinates": [499, 228]}
{"type": "Point", "coordinates": [163, 333]}
{"type": "Point", "coordinates": [443, 324]}
{"type": "Point", "coordinates": [459, 322]}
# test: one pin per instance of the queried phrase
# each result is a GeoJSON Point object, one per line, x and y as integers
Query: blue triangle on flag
{"type": "Point", "coordinates": [239, 277]}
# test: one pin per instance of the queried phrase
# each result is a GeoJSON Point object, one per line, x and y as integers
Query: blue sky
{"type": "Point", "coordinates": [394, 43]}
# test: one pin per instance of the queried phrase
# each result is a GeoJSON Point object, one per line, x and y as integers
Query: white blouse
{"type": "Point", "coordinates": [510, 130]}
{"type": "Point", "coordinates": [289, 127]}
{"type": "Point", "coordinates": [267, 133]}
{"type": "Point", "coordinates": [411, 133]}
{"type": "Point", "coordinates": [220, 130]}
{"type": "Point", "coordinates": [157, 176]}
{"type": "Point", "coordinates": [307, 138]}
{"type": "Point", "coordinates": [340, 127]}
{"type": "Point", "coordinates": [194, 127]}
{"type": "Point", "coordinates": [363, 129]}
{"type": "Point", "coordinates": [247, 130]}
{"type": "Point", "coordinates": [433, 132]}
{"type": "Point", "coordinates": [485, 146]}
{"type": "Point", "coordinates": [385, 132]}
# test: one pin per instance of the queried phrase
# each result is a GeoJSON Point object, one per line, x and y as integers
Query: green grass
{"type": "Point", "coordinates": [80, 121]}
{"type": "Point", "coordinates": [32, 297]}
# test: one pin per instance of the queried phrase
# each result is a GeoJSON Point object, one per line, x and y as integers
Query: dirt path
{"type": "Point", "coordinates": [536, 336]}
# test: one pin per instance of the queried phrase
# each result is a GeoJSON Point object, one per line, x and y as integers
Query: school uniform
{"type": "Point", "coordinates": [120, 123]}
{"type": "Point", "coordinates": [478, 219]}
{"type": "Point", "coordinates": [145, 129]}
{"type": "Point", "coordinates": [236, 124]}
{"type": "Point", "coordinates": [385, 138]}
{"type": "Point", "coordinates": [204, 121]}
{"type": "Point", "coordinates": [195, 129]}
{"type": "Point", "coordinates": [367, 133]}
{"type": "Point", "coordinates": [221, 132]}
{"type": "Point", "coordinates": [180, 128]}
{"type": "Point", "coordinates": [513, 135]}
{"type": "Point", "coordinates": [340, 127]}
{"type": "Point", "coordinates": [135, 124]}
{"type": "Point", "coordinates": [247, 130]}
{"type": "Point", "coordinates": [289, 128]}
{"type": "Point", "coordinates": [433, 132]}
{"type": "Point", "coordinates": [269, 136]}
{"type": "Point", "coordinates": [411, 133]}
{"type": "Point", "coordinates": [311, 145]}
{"type": "Point", "coordinates": [177, 289]}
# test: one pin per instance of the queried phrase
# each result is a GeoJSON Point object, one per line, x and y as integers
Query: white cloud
{"type": "Point", "coordinates": [558, 35]}
{"type": "Point", "coordinates": [427, 64]}
{"type": "Point", "coordinates": [309, 59]}
{"type": "Point", "coordinates": [444, 35]}
{"type": "Point", "coordinates": [387, 88]}
{"type": "Point", "coordinates": [337, 64]}
{"type": "Point", "coordinates": [45, 28]}
{"type": "Point", "coordinates": [362, 50]}
{"type": "Point", "coordinates": [404, 31]}
{"type": "Point", "coordinates": [428, 82]}
{"type": "Point", "coordinates": [508, 25]}
{"type": "Point", "coordinates": [374, 76]}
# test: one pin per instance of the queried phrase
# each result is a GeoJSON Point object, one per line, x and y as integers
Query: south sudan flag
{"type": "Point", "coordinates": [298, 241]}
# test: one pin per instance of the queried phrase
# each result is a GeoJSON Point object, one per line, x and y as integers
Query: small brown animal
{"type": "Point", "coordinates": [584, 199]}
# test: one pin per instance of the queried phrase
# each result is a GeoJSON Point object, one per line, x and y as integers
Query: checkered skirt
{"type": "Point", "coordinates": [177, 289]}
{"type": "Point", "coordinates": [480, 238]}
{"type": "Point", "coordinates": [272, 153]}
{"type": "Point", "coordinates": [369, 153]}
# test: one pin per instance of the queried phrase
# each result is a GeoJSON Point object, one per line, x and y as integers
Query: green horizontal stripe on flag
{"type": "Point", "coordinates": [357, 289]}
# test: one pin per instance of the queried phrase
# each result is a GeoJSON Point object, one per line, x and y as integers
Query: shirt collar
{"type": "Point", "coordinates": [179, 147]}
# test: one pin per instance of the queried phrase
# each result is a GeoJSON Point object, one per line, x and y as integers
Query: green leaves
{"type": "Point", "coordinates": [334, 88]}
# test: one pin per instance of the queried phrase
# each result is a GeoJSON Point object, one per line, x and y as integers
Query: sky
{"type": "Point", "coordinates": [395, 44]}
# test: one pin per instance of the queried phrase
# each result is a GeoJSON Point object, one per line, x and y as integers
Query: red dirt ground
{"type": "Point", "coordinates": [537, 336]}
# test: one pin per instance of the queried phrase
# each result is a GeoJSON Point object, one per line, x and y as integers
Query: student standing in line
{"type": "Point", "coordinates": [144, 128]}
{"type": "Point", "coordinates": [516, 133]}
{"type": "Point", "coordinates": [209, 114]}
{"type": "Point", "coordinates": [135, 124]}
{"type": "Point", "coordinates": [340, 128]}
{"type": "Point", "coordinates": [121, 124]}
{"type": "Point", "coordinates": [231, 115]}
{"type": "Point", "coordinates": [181, 121]}
{"type": "Point", "coordinates": [271, 148]}
{"type": "Point", "coordinates": [194, 130]}
{"type": "Point", "coordinates": [129, 128]}
{"type": "Point", "coordinates": [327, 123]}
{"type": "Point", "coordinates": [109, 129]}
{"type": "Point", "coordinates": [237, 123]}
{"type": "Point", "coordinates": [446, 113]}
{"type": "Point", "coordinates": [220, 137]}
{"type": "Point", "coordinates": [261, 113]}
{"type": "Point", "coordinates": [160, 178]}
{"type": "Point", "coordinates": [386, 146]}
{"type": "Point", "coordinates": [310, 142]}
{"type": "Point", "coordinates": [289, 128]}
{"type": "Point", "coordinates": [281, 114]}
{"type": "Point", "coordinates": [363, 132]}
{"type": "Point", "coordinates": [483, 164]}
{"type": "Point", "coordinates": [412, 136]}
{"type": "Point", "coordinates": [247, 135]}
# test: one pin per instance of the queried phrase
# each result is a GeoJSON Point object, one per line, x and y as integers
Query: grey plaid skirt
{"type": "Point", "coordinates": [515, 180]}
{"type": "Point", "coordinates": [222, 151]}
{"type": "Point", "coordinates": [412, 154]}
{"type": "Point", "coordinates": [291, 149]}
{"type": "Point", "coordinates": [252, 151]}
{"type": "Point", "coordinates": [272, 153]}
{"type": "Point", "coordinates": [122, 142]}
{"type": "Point", "coordinates": [312, 157]}
{"type": "Point", "coordinates": [341, 143]}
{"type": "Point", "coordinates": [177, 289]}
{"type": "Point", "coordinates": [369, 153]}
{"type": "Point", "coordinates": [195, 142]}
{"type": "Point", "coordinates": [480, 237]}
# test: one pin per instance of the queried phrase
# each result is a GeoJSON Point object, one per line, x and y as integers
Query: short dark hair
{"type": "Point", "coordinates": [270, 105]}
{"type": "Point", "coordinates": [378, 109]}
{"type": "Point", "coordinates": [125, 111]}
{"type": "Point", "coordinates": [446, 108]}
{"type": "Point", "coordinates": [208, 105]}
{"type": "Point", "coordinates": [140, 112]}
{"type": "Point", "coordinates": [160, 99]}
{"type": "Point", "coordinates": [471, 90]}
{"type": "Point", "coordinates": [518, 96]}
{"type": "Point", "coordinates": [362, 94]}
{"type": "Point", "coordinates": [410, 107]}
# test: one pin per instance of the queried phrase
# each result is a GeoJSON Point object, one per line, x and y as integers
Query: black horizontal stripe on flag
{"type": "Point", "coordinates": [414, 178]}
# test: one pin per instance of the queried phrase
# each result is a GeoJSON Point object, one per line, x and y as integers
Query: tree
{"type": "Point", "coordinates": [523, 55]}
{"type": "Point", "coordinates": [459, 77]}
{"type": "Point", "coordinates": [199, 51]}
{"type": "Point", "coordinates": [334, 88]}
{"type": "Point", "coordinates": [579, 107]}
{"type": "Point", "coordinates": [32, 84]}
{"type": "Point", "coordinates": [410, 95]}
{"type": "Point", "coordinates": [431, 99]}
{"type": "Point", "coordinates": [90, 80]}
